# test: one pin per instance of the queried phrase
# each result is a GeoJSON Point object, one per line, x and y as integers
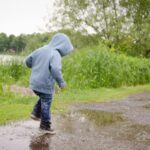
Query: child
{"type": "Point", "coordinates": [45, 63]}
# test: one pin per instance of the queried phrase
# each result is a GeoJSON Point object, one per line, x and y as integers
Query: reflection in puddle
{"type": "Point", "coordinates": [75, 130]}
{"type": "Point", "coordinates": [101, 118]}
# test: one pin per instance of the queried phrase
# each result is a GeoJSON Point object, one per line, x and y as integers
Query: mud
{"type": "Point", "coordinates": [76, 131]}
{"type": "Point", "coordinates": [22, 90]}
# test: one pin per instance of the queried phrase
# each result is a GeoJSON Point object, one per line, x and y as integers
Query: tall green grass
{"type": "Point", "coordinates": [89, 68]}
{"type": "Point", "coordinates": [14, 71]}
{"type": "Point", "coordinates": [83, 70]}
{"type": "Point", "coordinates": [97, 67]}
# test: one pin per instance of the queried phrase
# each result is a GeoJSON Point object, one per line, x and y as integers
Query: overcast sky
{"type": "Point", "coordinates": [23, 16]}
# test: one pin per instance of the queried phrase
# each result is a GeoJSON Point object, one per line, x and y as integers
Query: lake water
{"type": "Point", "coordinates": [8, 58]}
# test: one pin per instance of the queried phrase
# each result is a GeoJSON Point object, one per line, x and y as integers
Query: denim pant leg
{"type": "Point", "coordinates": [37, 109]}
{"type": "Point", "coordinates": [46, 100]}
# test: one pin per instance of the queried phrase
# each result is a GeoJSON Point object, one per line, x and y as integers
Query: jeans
{"type": "Point", "coordinates": [42, 107]}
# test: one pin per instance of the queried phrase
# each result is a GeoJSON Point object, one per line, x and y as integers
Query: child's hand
{"type": "Point", "coordinates": [60, 89]}
{"type": "Point", "coordinates": [57, 89]}
{"type": "Point", "coordinates": [63, 88]}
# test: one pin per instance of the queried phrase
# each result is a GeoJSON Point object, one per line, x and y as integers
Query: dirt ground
{"type": "Point", "coordinates": [75, 131]}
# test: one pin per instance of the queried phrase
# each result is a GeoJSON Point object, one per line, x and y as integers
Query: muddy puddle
{"type": "Point", "coordinates": [73, 130]}
{"type": "Point", "coordinates": [117, 125]}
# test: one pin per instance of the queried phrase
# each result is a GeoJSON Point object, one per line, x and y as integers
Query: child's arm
{"type": "Point", "coordinates": [28, 61]}
{"type": "Point", "coordinates": [55, 68]}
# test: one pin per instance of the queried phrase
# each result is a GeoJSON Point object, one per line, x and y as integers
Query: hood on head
{"type": "Point", "coordinates": [62, 43]}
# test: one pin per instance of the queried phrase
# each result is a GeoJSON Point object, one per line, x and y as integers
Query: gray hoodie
{"type": "Point", "coordinates": [45, 63]}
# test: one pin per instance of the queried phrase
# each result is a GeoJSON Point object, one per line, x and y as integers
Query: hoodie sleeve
{"type": "Point", "coordinates": [55, 67]}
{"type": "Point", "coordinates": [28, 61]}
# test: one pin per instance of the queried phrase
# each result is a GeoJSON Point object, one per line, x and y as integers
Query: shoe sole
{"type": "Point", "coordinates": [34, 118]}
{"type": "Point", "coordinates": [47, 132]}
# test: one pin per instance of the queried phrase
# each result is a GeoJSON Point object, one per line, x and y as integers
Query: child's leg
{"type": "Point", "coordinates": [46, 100]}
{"type": "Point", "coordinates": [37, 109]}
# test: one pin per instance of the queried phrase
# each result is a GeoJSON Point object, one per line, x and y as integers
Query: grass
{"type": "Point", "coordinates": [14, 112]}
{"type": "Point", "coordinates": [96, 67]}
{"type": "Point", "coordinates": [147, 106]}
{"type": "Point", "coordinates": [91, 67]}
{"type": "Point", "coordinates": [16, 107]}
{"type": "Point", "coordinates": [74, 96]}
{"type": "Point", "coordinates": [87, 71]}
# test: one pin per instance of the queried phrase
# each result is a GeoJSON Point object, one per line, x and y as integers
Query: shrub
{"type": "Point", "coordinates": [89, 68]}
{"type": "Point", "coordinates": [97, 67]}
{"type": "Point", "coordinates": [12, 72]}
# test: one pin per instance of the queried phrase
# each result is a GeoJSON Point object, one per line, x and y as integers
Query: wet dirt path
{"type": "Point", "coordinates": [75, 131]}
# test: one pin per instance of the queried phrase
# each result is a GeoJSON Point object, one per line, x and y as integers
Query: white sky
{"type": "Point", "coordinates": [23, 16]}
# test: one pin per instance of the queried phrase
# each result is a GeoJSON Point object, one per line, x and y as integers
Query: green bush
{"type": "Point", "coordinates": [97, 67]}
{"type": "Point", "coordinates": [12, 72]}
{"type": "Point", "coordinates": [89, 68]}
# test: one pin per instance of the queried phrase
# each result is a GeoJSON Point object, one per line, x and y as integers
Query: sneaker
{"type": "Point", "coordinates": [47, 130]}
{"type": "Point", "coordinates": [34, 117]}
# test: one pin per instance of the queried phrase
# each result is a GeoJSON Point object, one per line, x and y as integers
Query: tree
{"type": "Point", "coordinates": [112, 20]}
{"type": "Point", "coordinates": [11, 41]}
{"type": "Point", "coordinates": [101, 17]}
{"type": "Point", "coordinates": [138, 12]}
{"type": "Point", "coordinates": [17, 43]}
{"type": "Point", "coordinates": [3, 42]}
{"type": "Point", "coordinates": [20, 42]}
